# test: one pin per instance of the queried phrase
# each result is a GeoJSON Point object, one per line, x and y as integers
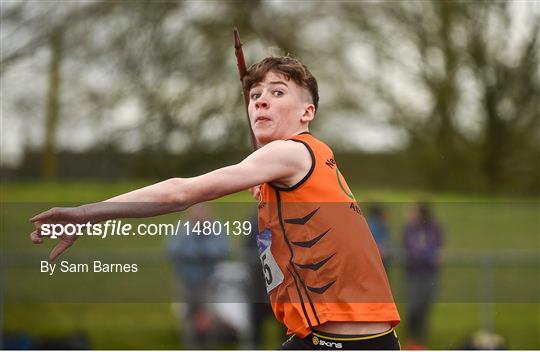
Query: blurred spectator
{"type": "Point", "coordinates": [228, 305]}
{"type": "Point", "coordinates": [422, 241]}
{"type": "Point", "coordinates": [195, 257]}
{"type": "Point", "coordinates": [378, 225]}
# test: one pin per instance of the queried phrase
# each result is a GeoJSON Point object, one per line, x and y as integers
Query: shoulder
{"type": "Point", "coordinates": [284, 145]}
{"type": "Point", "coordinates": [285, 152]}
{"type": "Point", "coordinates": [285, 162]}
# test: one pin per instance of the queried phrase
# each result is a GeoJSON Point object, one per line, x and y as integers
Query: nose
{"type": "Point", "coordinates": [261, 103]}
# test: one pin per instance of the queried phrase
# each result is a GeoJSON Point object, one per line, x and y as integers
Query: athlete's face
{"type": "Point", "coordinates": [278, 108]}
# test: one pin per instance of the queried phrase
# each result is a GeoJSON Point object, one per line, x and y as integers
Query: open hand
{"type": "Point", "coordinates": [57, 216]}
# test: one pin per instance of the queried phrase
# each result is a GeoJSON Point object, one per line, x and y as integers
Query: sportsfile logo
{"type": "Point", "coordinates": [321, 342]}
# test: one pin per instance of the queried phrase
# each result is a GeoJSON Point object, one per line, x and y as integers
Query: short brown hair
{"type": "Point", "coordinates": [287, 66]}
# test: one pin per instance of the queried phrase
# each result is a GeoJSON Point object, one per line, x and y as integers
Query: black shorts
{"type": "Point", "coordinates": [387, 340]}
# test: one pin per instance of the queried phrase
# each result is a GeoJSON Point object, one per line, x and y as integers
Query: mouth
{"type": "Point", "coordinates": [262, 119]}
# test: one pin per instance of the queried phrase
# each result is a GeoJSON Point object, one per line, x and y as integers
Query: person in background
{"type": "Point", "coordinates": [422, 241]}
{"type": "Point", "coordinates": [378, 224]}
{"type": "Point", "coordinates": [194, 258]}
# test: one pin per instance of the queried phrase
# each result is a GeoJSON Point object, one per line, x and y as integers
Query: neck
{"type": "Point", "coordinates": [298, 131]}
{"type": "Point", "coordinates": [288, 136]}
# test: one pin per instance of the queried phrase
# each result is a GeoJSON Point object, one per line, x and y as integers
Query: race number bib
{"type": "Point", "coordinates": [273, 276]}
{"type": "Point", "coordinates": [272, 273]}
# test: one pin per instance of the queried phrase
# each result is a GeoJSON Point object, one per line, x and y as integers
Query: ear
{"type": "Point", "coordinates": [309, 113]}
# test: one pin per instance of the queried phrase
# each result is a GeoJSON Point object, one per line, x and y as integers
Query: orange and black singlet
{"type": "Point", "coordinates": [319, 258]}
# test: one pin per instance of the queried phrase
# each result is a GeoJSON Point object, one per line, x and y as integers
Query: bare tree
{"type": "Point", "coordinates": [465, 93]}
{"type": "Point", "coordinates": [442, 73]}
{"type": "Point", "coordinates": [30, 28]}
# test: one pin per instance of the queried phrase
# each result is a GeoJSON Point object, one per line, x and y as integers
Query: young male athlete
{"type": "Point", "coordinates": [323, 272]}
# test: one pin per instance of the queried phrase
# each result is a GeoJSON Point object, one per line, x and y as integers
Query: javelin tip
{"type": "Point", "coordinates": [237, 42]}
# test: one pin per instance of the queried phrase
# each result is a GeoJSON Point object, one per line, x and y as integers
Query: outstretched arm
{"type": "Point", "coordinates": [279, 161]}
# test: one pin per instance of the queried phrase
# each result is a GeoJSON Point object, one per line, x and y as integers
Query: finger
{"type": "Point", "coordinates": [36, 237]}
{"type": "Point", "coordinates": [59, 249]}
{"type": "Point", "coordinates": [38, 224]}
{"type": "Point", "coordinates": [254, 191]}
{"type": "Point", "coordinates": [41, 216]}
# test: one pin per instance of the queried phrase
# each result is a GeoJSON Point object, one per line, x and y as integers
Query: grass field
{"type": "Point", "coordinates": [485, 237]}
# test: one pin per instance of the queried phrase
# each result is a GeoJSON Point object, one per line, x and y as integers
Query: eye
{"type": "Point", "coordinates": [255, 96]}
{"type": "Point", "coordinates": [277, 93]}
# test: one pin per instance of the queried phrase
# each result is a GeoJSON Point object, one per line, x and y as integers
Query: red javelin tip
{"type": "Point", "coordinates": [237, 42]}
